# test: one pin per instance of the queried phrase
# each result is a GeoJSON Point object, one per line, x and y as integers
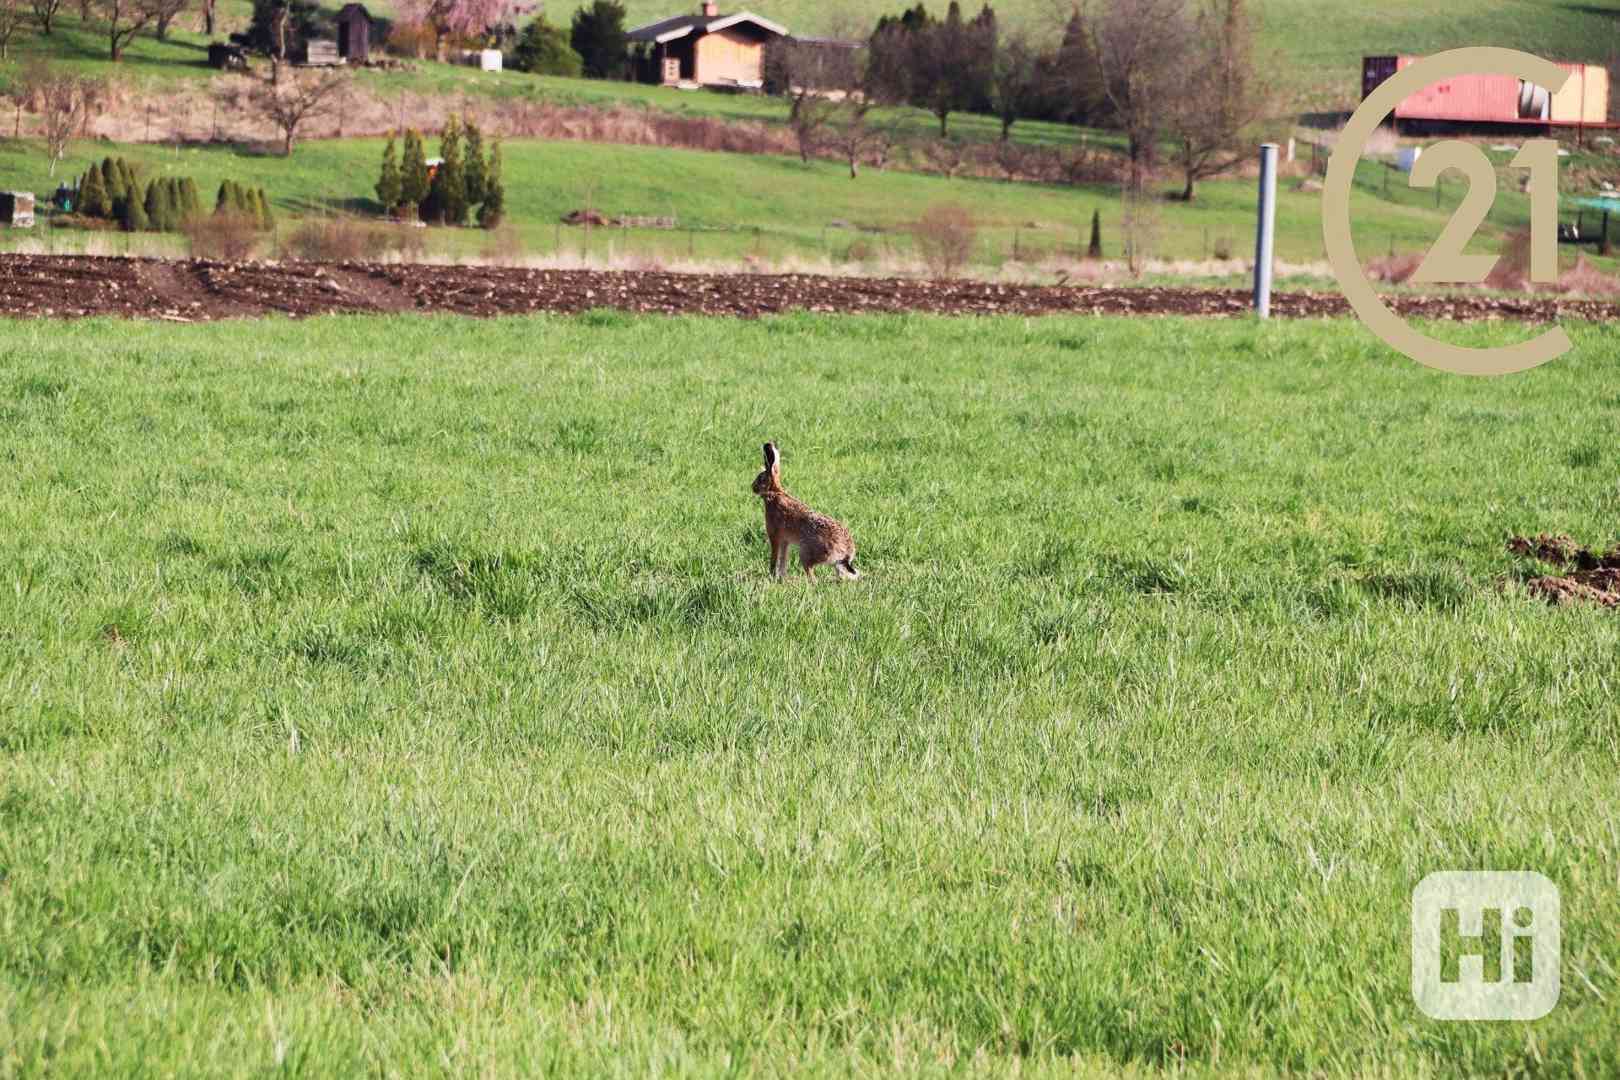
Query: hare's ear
{"type": "Point", "coordinates": [772, 458]}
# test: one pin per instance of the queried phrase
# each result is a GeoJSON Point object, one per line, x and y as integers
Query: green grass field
{"type": "Point", "coordinates": [731, 206]}
{"type": "Point", "coordinates": [407, 696]}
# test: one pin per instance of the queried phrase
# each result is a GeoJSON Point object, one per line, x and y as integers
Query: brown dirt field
{"type": "Point", "coordinates": [1589, 576]}
{"type": "Point", "coordinates": [62, 286]}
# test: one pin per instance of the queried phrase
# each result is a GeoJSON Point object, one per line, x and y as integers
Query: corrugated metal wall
{"type": "Point", "coordinates": [1492, 98]}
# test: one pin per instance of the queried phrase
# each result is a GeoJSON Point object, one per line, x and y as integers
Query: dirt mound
{"type": "Point", "coordinates": [1590, 577]}
{"type": "Point", "coordinates": [73, 286]}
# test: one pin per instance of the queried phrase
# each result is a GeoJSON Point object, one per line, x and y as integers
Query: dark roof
{"type": "Point", "coordinates": [680, 26]}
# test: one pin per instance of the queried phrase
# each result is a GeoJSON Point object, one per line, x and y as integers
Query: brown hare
{"type": "Point", "coordinates": [788, 521]}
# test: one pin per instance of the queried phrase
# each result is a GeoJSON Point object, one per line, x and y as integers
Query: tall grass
{"type": "Point", "coordinates": [408, 695]}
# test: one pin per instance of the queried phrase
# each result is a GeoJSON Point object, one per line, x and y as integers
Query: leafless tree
{"type": "Point", "coordinates": [208, 17]}
{"type": "Point", "coordinates": [852, 134]}
{"type": "Point", "coordinates": [817, 76]}
{"type": "Point", "coordinates": [294, 99]}
{"type": "Point", "coordinates": [1213, 118]}
{"type": "Point", "coordinates": [122, 20]}
{"type": "Point", "coordinates": [45, 11]}
{"type": "Point", "coordinates": [12, 20]}
{"type": "Point", "coordinates": [1142, 49]}
{"type": "Point", "coordinates": [1015, 81]}
{"type": "Point", "coordinates": [63, 102]}
{"type": "Point", "coordinates": [947, 156]}
{"type": "Point", "coordinates": [814, 79]}
{"type": "Point", "coordinates": [165, 12]}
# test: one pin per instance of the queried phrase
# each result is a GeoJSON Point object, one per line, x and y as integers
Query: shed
{"type": "Point", "coordinates": [17, 209]}
{"type": "Point", "coordinates": [354, 33]}
{"type": "Point", "coordinates": [322, 52]}
{"type": "Point", "coordinates": [708, 49]}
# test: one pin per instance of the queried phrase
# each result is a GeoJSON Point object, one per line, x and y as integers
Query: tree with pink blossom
{"type": "Point", "coordinates": [460, 18]}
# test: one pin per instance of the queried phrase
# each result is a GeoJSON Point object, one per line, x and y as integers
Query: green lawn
{"type": "Point", "coordinates": [407, 696]}
{"type": "Point", "coordinates": [732, 206]}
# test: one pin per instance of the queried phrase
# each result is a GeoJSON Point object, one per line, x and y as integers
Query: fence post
{"type": "Point", "coordinates": [1265, 234]}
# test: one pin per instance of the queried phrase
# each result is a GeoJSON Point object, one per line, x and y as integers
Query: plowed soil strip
{"type": "Point", "coordinates": [75, 286]}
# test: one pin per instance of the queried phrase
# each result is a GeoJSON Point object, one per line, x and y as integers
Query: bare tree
{"type": "Point", "coordinates": [292, 100]}
{"type": "Point", "coordinates": [852, 133]}
{"type": "Point", "coordinates": [947, 156]}
{"type": "Point", "coordinates": [1212, 119]}
{"type": "Point", "coordinates": [12, 20]}
{"type": "Point", "coordinates": [122, 20]}
{"type": "Point", "coordinates": [208, 17]}
{"type": "Point", "coordinates": [63, 102]}
{"type": "Point", "coordinates": [164, 12]}
{"type": "Point", "coordinates": [45, 11]}
{"type": "Point", "coordinates": [815, 77]}
{"type": "Point", "coordinates": [1142, 48]}
{"type": "Point", "coordinates": [1015, 81]}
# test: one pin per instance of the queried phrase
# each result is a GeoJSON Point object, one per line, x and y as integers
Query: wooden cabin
{"type": "Point", "coordinates": [706, 49]}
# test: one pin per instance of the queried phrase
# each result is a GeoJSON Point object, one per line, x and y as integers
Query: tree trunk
{"type": "Point", "coordinates": [854, 166]}
{"type": "Point", "coordinates": [287, 144]}
{"type": "Point", "coordinates": [208, 17]}
{"type": "Point", "coordinates": [944, 132]}
{"type": "Point", "coordinates": [1187, 192]}
{"type": "Point", "coordinates": [1006, 127]}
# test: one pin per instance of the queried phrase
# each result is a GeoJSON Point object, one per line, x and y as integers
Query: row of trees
{"type": "Point", "coordinates": [464, 181]}
{"type": "Point", "coordinates": [1168, 73]}
{"type": "Point", "coordinates": [119, 20]}
{"type": "Point", "coordinates": [114, 190]}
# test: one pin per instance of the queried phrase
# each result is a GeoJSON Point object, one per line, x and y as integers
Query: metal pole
{"type": "Point", "coordinates": [1266, 232]}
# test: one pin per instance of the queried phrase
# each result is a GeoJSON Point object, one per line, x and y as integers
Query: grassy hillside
{"type": "Point", "coordinates": [775, 207]}
{"type": "Point", "coordinates": [1317, 46]}
{"type": "Point", "coordinates": [406, 696]}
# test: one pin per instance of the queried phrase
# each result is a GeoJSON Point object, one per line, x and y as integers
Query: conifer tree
{"type": "Point", "coordinates": [448, 192]}
{"type": "Point", "coordinates": [389, 181]}
{"type": "Point", "coordinates": [493, 208]}
{"type": "Point", "coordinates": [190, 202]}
{"type": "Point", "coordinates": [132, 213]}
{"type": "Point", "coordinates": [413, 176]}
{"type": "Point", "coordinates": [93, 200]}
{"type": "Point", "coordinates": [156, 207]}
{"type": "Point", "coordinates": [473, 168]}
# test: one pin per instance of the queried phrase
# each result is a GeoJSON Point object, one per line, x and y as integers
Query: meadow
{"type": "Point", "coordinates": [774, 208]}
{"type": "Point", "coordinates": [407, 696]}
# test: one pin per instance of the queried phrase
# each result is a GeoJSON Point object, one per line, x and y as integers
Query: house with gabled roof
{"type": "Point", "coordinates": [706, 49]}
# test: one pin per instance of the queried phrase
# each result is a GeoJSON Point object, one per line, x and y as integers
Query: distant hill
{"type": "Point", "coordinates": [1319, 42]}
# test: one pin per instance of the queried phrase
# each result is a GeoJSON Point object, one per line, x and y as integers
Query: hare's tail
{"type": "Point", "coordinates": [846, 568]}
